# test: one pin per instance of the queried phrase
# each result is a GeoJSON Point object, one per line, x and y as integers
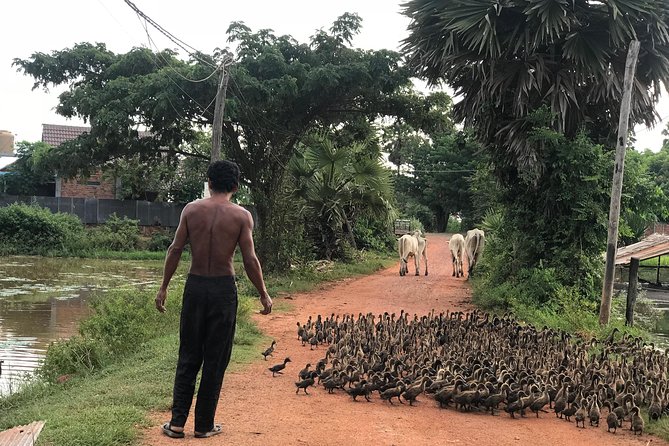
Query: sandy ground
{"type": "Point", "coordinates": [256, 409]}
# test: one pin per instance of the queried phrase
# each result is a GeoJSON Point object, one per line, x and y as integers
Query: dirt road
{"type": "Point", "coordinates": [256, 409]}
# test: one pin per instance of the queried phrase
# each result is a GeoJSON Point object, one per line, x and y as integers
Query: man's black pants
{"type": "Point", "coordinates": [206, 333]}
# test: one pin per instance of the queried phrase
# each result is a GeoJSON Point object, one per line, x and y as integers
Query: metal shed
{"type": "Point", "coordinates": [655, 245]}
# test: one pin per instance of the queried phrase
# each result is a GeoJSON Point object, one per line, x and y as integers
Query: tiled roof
{"type": "Point", "coordinates": [55, 135]}
{"type": "Point", "coordinates": [652, 246]}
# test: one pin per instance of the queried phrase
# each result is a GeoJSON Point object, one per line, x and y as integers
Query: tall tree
{"type": "Point", "coordinates": [279, 91]}
{"type": "Point", "coordinates": [439, 174]}
{"type": "Point", "coordinates": [31, 174]}
{"type": "Point", "coordinates": [508, 58]}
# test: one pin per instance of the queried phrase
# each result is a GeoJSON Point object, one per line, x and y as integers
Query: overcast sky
{"type": "Point", "coordinates": [43, 25]}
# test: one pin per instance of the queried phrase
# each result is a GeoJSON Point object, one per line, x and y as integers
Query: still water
{"type": "Point", "coordinates": [43, 299]}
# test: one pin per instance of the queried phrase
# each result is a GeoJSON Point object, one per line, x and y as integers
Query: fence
{"type": "Point", "coordinates": [92, 211]}
{"type": "Point", "coordinates": [657, 228]}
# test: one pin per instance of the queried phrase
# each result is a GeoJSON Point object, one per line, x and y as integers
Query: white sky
{"type": "Point", "coordinates": [44, 25]}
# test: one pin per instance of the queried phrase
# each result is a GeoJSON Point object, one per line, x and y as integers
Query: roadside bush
{"type": "Point", "coordinates": [28, 229]}
{"type": "Point", "coordinates": [116, 234]}
{"type": "Point", "coordinates": [122, 321]}
{"type": "Point", "coordinates": [373, 235]}
{"type": "Point", "coordinates": [75, 356]}
{"type": "Point", "coordinates": [160, 241]}
{"type": "Point", "coordinates": [454, 225]}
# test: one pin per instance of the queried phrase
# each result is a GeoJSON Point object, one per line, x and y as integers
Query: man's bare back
{"type": "Point", "coordinates": [214, 228]}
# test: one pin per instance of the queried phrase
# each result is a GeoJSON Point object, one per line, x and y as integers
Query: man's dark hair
{"type": "Point", "coordinates": [224, 175]}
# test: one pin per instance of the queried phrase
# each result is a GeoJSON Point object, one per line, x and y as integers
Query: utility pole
{"type": "Point", "coordinates": [219, 109]}
{"type": "Point", "coordinates": [616, 189]}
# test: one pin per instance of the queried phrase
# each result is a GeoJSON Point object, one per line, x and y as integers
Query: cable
{"type": "Point", "coordinates": [192, 51]}
{"type": "Point", "coordinates": [155, 56]}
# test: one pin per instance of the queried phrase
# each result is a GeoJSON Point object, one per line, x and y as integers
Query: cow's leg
{"type": "Point", "coordinates": [416, 262]}
{"type": "Point", "coordinates": [425, 257]}
{"type": "Point", "coordinates": [454, 261]}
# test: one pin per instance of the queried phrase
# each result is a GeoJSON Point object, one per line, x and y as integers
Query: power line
{"type": "Point", "coordinates": [156, 58]}
{"type": "Point", "coordinates": [192, 51]}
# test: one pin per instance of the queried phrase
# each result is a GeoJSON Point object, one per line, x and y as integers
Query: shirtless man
{"type": "Point", "coordinates": [214, 227]}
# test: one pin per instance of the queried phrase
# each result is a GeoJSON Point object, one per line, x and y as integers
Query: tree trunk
{"type": "Point", "coordinates": [349, 231]}
{"type": "Point", "coordinates": [272, 232]}
{"type": "Point", "coordinates": [442, 220]}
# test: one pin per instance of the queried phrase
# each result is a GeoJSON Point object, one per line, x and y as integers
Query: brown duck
{"type": "Point", "coordinates": [581, 413]}
{"type": "Point", "coordinates": [269, 350]}
{"type": "Point", "coordinates": [611, 418]}
{"type": "Point", "coordinates": [279, 367]}
{"type": "Point", "coordinates": [637, 421]}
{"type": "Point", "coordinates": [309, 381]}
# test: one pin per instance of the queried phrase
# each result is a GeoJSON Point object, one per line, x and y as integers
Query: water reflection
{"type": "Point", "coordinates": [43, 299]}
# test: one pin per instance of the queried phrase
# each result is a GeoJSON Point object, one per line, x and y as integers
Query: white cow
{"type": "Point", "coordinates": [457, 246]}
{"type": "Point", "coordinates": [412, 245]}
{"type": "Point", "coordinates": [474, 242]}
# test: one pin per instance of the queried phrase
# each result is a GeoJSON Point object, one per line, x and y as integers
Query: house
{"type": "Point", "coordinates": [95, 186]}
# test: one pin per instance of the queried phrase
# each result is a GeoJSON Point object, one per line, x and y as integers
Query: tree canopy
{"type": "Point", "coordinates": [508, 58]}
{"type": "Point", "coordinates": [280, 91]}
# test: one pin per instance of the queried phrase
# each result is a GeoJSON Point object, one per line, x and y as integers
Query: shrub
{"type": "Point", "coordinates": [121, 323]}
{"type": "Point", "coordinates": [373, 235]}
{"type": "Point", "coordinates": [75, 356]}
{"type": "Point", "coordinates": [28, 229]}
{"type": "Point", "coordinates": [116, 234]}
{"type": "Point", "coordinates": [160, 241]}
{"type": "Point", "coordinates": [454, 225]}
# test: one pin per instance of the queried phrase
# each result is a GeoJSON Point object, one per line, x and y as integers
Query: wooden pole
{"type": "Point", "coordinates": [659, 263]}
{"type": "Point", "coordinates": [632, 291]}
{"type": "Point", "coordinates": [617, 187]}
{"type": "Point", "coordinates": [219, 110]}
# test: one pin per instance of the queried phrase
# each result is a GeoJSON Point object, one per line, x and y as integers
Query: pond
{"type": "Point", "coordinates": [43, 299]}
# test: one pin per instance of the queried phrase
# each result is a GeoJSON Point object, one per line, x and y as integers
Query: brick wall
{"type": "Point", "coordinates": [92, 187]}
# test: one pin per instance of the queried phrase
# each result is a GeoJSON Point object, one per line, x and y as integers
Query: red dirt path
{"type": "Point", "coordinates": [256, 409]}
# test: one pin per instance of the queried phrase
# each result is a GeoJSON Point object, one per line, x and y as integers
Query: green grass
{"type": "Point", "coordinates": [108, 406]}
{"type": "Point", "coordinates": [664, 261]}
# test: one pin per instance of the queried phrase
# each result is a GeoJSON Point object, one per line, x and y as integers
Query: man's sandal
{"type": "Point", "coordinates": [218, 429]}
{"type": "Point", "coordinates": [167, 430]}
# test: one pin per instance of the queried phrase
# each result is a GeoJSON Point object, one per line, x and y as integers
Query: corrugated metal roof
{"type": "Point", "coordinates": [21, 435]}
{"type": "Point", "coordinates": [652, 246]}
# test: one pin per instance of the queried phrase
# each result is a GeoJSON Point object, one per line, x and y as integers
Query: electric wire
{"type": "Point", "coordinates": [192, 51]}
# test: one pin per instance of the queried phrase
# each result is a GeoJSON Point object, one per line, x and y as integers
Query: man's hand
{"type": "Point", "coordinates": [160, 300]}
{"type": "Point", "coordinates": [266, 302]}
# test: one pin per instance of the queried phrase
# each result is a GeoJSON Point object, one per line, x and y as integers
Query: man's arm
{"type": "Point", "coordinates": [252, 264]}
{"type": "Point", "coordinates": [172, 259]}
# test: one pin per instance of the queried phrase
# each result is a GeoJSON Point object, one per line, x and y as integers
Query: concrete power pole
{"type": "Point", "coordinates": [219, 109]}
{"type": "Point", "coordinates": [616, 189]}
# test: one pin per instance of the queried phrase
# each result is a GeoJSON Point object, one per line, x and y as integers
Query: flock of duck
{"type": "Point", "coordinates": [479, 362]}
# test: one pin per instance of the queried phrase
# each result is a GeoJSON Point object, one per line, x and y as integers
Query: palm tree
{"type": "Point", "coordinates": [509, 58]}
{"type": "Point", "coordinates": [339, 184]}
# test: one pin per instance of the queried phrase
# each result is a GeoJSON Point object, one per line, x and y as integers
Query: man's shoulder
{"type": "Point", "coordinates": [204, 204]}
